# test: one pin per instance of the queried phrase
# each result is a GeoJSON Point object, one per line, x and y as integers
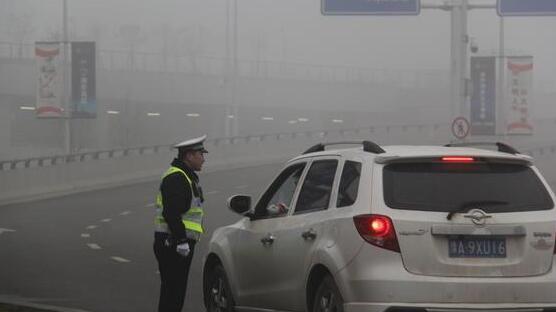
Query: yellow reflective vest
{"type": "Point", "coordinates": [192, 219]}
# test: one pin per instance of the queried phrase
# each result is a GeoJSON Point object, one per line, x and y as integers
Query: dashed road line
{"type": "Point", "coordinates": [212, 192]}
{"type": "Point", "coordinates": [149, 205]}
{"type": "Point", "coordinates": [85, 235]}
{"type": "Point", "coordinates": [94, 246]}
{"type": "Point", "coordinates": [106, 220]}
{"type": "Point", "coordinates": [91, 227]}
{"type": "Point", "coordinates": [125, 213]}
{"type": "Point", "coordinates": [120, 259]}
{"type": "Point", "coordinates": [2, 230]}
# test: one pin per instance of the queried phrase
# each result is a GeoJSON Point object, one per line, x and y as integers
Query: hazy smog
{"type": "Point", "coordinates": [92, 100]}
{"type": "Point", "coordinates": [184, 57]}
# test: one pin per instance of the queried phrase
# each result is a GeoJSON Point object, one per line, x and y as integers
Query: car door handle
{"type": "Point", "coordinates": [268, 239]}
{"type": "Point", "coordinates": [310, 234]}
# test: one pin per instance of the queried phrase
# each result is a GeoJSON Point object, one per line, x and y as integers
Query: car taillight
{"type": "Point", "coordinates": [377, 230]}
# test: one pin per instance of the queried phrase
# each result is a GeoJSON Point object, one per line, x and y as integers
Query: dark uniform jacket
{"type": "Point", "coordinates": [176, 198]}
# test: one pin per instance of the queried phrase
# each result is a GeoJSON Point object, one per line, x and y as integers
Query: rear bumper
{"type": "Point", "coordinates": [379, 281]}
{"type": "Point", "coordinates": [400, 307]}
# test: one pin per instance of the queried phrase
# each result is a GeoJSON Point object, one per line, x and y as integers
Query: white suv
{"type": "Point", "coordinates": [395, 228]}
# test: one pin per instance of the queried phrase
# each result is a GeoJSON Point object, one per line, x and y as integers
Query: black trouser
{"type": "Point", "coordinates": [174, 270]}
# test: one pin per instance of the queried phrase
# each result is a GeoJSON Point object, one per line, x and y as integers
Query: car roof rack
{"type": "Point", "coordinates": [368, 146]}
{"type": "Point", "coordinates": [502, 147]}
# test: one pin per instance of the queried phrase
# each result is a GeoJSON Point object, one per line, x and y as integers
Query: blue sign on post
{"type": "Point", "coordinates": [483, 99]}
{"type": "Point", "coordinates": [370, 7]}
{"type": "Point", "coordinates": [83, 80]}
{"type": "Point", "coordinates": [526, 7]}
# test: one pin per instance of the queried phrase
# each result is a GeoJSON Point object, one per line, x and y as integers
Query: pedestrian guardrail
{"type": "Point", "coordinates": [44, 161]}
{"type": "Point", "coordinates": [54, 160]}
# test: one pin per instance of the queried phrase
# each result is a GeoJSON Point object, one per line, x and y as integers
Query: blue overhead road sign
{"type": "Point", "coordinates": [370, 7]}
{"type": "Point", "coordinates": [526, 7]}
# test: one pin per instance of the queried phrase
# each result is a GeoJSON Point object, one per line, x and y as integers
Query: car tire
{"type": "Point", "coordinates": [218, 292]}
{"type": "Point", "coordinates": [328, 297]}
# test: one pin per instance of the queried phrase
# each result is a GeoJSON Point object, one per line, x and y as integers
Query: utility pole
{"type": "Point", "coordinates": [231, 69]}
{"type": "Point", "coordinates": [459, 82]}
{"type": "Point", "coordinates": [235, 74]}
{"type": "Point", "coordinates": [65, 80]}
{"type": "Point", "coordinates": [458, 61]}
{"type": "Point", "coordinates": [500, 97]}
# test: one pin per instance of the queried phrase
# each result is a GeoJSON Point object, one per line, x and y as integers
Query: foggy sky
{"type": "Point", "coordinates": [287, 30]}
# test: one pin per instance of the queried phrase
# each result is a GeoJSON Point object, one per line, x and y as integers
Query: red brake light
{"type": "Point", "coordinates": [377, 230]}
{"type": "Point", "coordinates": [380, 226]}
{"type": "Point", "coordinates": [458, 159]}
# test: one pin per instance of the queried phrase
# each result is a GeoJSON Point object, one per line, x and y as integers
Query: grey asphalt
{"type": "Point", "coordinates": [93, 251]}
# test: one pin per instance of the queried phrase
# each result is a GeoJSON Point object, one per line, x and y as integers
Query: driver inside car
{"type": "Point", "coordinates": [279, 204]}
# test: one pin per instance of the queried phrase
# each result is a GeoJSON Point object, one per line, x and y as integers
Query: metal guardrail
{"type": "Point", "coordinates": [153, 149]}
{"type": "Point", "coordinates": [77, 157]}
{"type": "Point", "coordinates": [44, 161]}
{"type": "Point", "coordinates": [540, 151]}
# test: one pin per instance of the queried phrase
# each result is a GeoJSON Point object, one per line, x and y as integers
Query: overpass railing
{"type": "Point", "coordinates": [44, 161]}
{"type": "Point", "coordinates": [44, 177]}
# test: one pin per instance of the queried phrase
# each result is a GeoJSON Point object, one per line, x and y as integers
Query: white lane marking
{"type": "Point", "coordinates": [242, 186]}
{"type": "Point", "coordinates": [91, 227]}
{"type": "Point", "coordinates": [149, 205]}
{"type": "Point", "coordinates": [30, 303]}
{"type": "Point", "coordinates": [125, 213]}
{"type": "Point", "coordinates": [85, 235]}
{"type": "Point", "coordinates": [106, 220]}
{"type": "Point", "coordinates": [157, 272]}
{"type": "Point", "coordinates": [94, 246]}
{"type": "Point", "coordinates": [212, 192]}
{"type": "Point", "coordinates": [2, 230]}
{"type": "Point", "coordinates": [120, 259]}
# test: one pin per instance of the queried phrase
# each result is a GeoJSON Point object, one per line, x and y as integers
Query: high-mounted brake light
{"type": "Point", "coordinates": [458, 159]}
{"type": "Point", "coordinates": [377, 230]}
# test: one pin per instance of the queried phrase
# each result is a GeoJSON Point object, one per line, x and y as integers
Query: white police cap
{"type": "Point", "coordinates": [195, 144]}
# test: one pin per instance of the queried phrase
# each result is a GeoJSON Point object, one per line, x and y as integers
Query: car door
{"type": "Point", "coordinates": [299, 235]}
{"type": "Point", "coordinates": [253, 249]}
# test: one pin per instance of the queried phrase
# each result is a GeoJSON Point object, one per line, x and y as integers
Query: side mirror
{"type": "Point", "coordinates": [240, 204]}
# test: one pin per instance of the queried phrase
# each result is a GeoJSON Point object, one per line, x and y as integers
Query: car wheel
{"type": "Point", "coordinates": [328, 297]}
{"type": "Point", "coordinates": [218, 292]}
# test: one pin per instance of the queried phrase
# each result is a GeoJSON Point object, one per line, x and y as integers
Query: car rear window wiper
{"type": "Point", "coordinates": [463, 206]}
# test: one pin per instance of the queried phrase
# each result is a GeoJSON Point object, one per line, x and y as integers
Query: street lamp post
{"type": "Point", "coordinates": [458, 63]}
{"type": "Point", "coordinates": [65, 80]}
{"type": "Point", "coordinates": [500, 117]}
{"type": "Point", "coordinates": [231, 71]}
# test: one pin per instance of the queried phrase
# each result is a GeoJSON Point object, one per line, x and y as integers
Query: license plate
{"type": "Point", "coordinates": [477, 247]}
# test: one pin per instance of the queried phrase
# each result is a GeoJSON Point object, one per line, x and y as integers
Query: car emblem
{"type": "Point", "coordinates": [477, 216]}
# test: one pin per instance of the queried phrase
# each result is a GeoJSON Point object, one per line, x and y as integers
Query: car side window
{"type": "Point", "coordinates": [349, 184]}
{"type": "Point", "coordinates": [277, 199]}
{"type": "Point", "coordinates": [317, 187]}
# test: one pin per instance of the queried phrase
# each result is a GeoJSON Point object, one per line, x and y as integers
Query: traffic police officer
{"type": "Point", "coordinates": [179, 222]}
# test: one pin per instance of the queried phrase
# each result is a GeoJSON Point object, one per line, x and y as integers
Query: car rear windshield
{"type": "Point", "coordinates": [445, 187]}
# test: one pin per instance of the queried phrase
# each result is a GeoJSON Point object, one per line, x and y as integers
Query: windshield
{"type": "Point", "coordinates": [448, 187]}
